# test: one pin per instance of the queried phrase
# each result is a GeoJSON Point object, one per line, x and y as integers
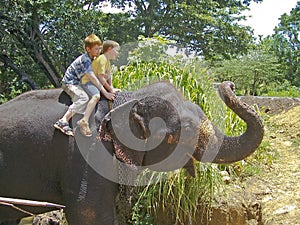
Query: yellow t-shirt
{"type": "Point", "coordinates": [101, 66]}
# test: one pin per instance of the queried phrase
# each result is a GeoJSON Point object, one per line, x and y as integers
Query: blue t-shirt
{"type": "Point", "coordinates": [80, 66]}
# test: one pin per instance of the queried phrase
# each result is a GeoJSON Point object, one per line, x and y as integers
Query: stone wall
{"type": "Point", "coordinates": [271, 105]}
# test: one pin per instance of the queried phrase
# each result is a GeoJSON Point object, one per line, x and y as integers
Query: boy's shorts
{"type": "Point", "coordinates": [91, 89]}
{"type": "Point", "coordinates": [79, 97]}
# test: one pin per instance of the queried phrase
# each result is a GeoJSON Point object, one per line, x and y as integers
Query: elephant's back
{"type": "Point", "coordinates": [31, 113]}
{"type": "Point", "coordinates": [32, 103]}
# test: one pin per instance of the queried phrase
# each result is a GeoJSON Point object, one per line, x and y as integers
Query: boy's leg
{"type": "Point", "coordinates": [91, 107]}
{"type": "Point", "coordinates": [68, 115]}
{"type": "Point", "coordinates": [79, 99]}
{"type": "Point", "coordinates": [84, 122]}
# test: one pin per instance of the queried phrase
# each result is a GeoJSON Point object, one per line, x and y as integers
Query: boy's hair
{"type": "Point", "coordinates": [109, 44]}
{"type": "Point", "coordinates": [92, 40]}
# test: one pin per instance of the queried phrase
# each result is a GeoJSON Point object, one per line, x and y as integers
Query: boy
{"type": "Point", "coordinates": [71, 83]}
{"type": "Point", "coordinates": [101, 67]}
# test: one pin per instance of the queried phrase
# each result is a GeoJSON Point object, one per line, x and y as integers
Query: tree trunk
{"type": "Point", "coordinates": [23, 76]}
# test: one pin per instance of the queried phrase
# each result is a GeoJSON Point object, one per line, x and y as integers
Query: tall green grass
{"type": "Point", "coordinates": [178, 196]}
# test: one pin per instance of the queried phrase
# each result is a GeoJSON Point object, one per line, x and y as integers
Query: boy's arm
{"type": "Point", "coordinates": [109, 81]}
{"type": "Point", "coordinates": [99, 85]}
{"type": "Point", "coordinates": [105, 83]}
{"type": "Point", "coordinates": [92, 77]}
{"type": "Point", "coordinates": [108, 84]}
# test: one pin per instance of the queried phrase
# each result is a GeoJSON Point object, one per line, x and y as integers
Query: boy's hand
{"type": "Point", "coordinates": [112, 91]}
{"type": "Point", "coordinates": [109, 96]}
{"type": "Point", "coordinates": [116, 90]}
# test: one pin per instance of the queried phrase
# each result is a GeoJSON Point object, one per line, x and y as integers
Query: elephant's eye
{"type": "Point", "coordinates": [187, 126]}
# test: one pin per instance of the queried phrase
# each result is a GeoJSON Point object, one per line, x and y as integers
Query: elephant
{"type": "Point", "coordinates": [154, 127]}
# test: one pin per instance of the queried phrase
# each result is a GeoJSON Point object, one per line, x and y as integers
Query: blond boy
{"type": "Point", "coordinates": [102, 69]}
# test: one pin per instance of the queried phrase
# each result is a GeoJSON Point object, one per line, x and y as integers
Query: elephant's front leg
{"type": "Point", "coordinates": [93, 202]}
{"type": "Point", "coordinates": [90, 213]}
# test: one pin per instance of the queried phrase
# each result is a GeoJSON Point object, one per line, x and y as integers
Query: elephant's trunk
{"type": "Point", "coordinates": [214, 146]}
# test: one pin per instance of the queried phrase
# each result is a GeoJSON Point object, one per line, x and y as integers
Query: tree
{"type": "Point", "coordinates": [40, 38]}
{"type": "Point", "coordinates": [253, 73]}
{"type": "Point", "coordinates": [208, 27]}
{"type": "Point", "coordinates": [20, 23]}
{"type": "Point", "coordinates": [286, 44]}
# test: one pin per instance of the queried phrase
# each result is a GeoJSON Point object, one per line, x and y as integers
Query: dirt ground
{"type": "Point", "coordinates": [278, 187]}
{"type": "Point", "coordinates": [273, 196]}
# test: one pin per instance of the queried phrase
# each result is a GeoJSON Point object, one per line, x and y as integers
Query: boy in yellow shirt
{"type": "Point", "coordinates": [102, 69]}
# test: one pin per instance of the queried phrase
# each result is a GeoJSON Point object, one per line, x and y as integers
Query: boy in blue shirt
{"type": "Point", "coordinates": [71, 84]}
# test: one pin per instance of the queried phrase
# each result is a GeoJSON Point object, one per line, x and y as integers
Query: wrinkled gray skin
{"type": "Point", "coordinates": [38, 162]}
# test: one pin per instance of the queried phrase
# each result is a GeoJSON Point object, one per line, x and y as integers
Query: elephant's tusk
{"type": "Point", "coordinates": [28, 202]}
{"type": "Point", "coordinates": [17, 208]}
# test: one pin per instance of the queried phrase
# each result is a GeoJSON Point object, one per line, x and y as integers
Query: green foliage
{"type": "Point", "coordinates": [286, 45]}
{"type": "Point", "coordinates": [10, 84]}
{"type": "Point", "coordinates": [150, 49]}
{"type": "Point", "coordinates": [177, 194]}
{"type": "Point", "coordinates": [48, 35]}
{"type": "Point", "coordinates": [284, 89]}
{"type": "Point", "coordinates": [135, 76]}
{"type": "Point", "coordinates": [271, 67]}
{"type": "Point", "coordinates": [41, 38]}
{"type": "Point", "coordinates": [187, 74]}
{"type": "Point", "coordinates": [22, 40]}
{"type": "Point", "coordinates": [207, 27]}
{"type": "Point", "coordinates": [233, 124]}
{"type": "Point", "coordinates": [252, 73]}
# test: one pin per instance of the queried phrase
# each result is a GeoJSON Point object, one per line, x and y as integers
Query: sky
{"type": "Point", "coordinates": [265, 15]}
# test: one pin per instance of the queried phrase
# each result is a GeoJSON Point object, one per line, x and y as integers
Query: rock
{"type": "Point", "coordinates": [51, 218]}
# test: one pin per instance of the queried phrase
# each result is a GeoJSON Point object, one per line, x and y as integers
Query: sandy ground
{"type": "Point", "coordinates": [278, 188]}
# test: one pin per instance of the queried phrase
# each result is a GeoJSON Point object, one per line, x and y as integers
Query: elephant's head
{"type": "Point", "coordinates": [160, 130]}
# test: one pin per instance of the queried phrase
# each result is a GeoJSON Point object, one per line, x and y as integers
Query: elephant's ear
{"type": "Point", "coordinates": [145, 132]}
{"type": "Point", "coordinates": [127, 142]}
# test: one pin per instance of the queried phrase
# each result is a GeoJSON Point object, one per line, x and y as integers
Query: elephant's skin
{"type": "Point", "coordinates": [38, 162]}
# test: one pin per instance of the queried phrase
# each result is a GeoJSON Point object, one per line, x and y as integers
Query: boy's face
{"type": "Point", "coordinates": [114, 52]}
{"type": "Point", "coordinates": [94, 51]}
